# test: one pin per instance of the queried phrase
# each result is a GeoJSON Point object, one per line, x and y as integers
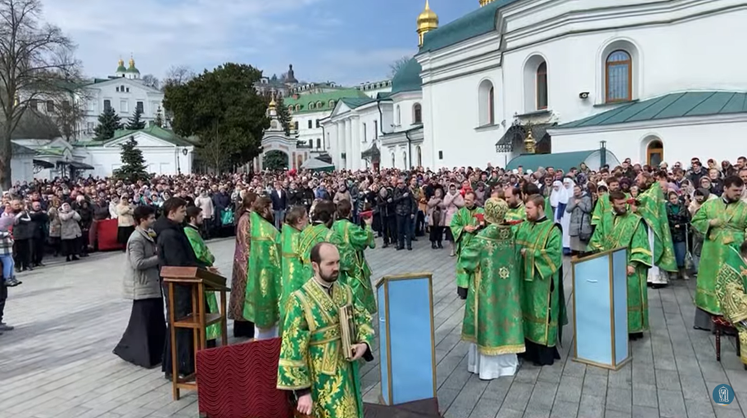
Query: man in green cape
{"type": "Point", "coordinates": [722, 222]}
{"type": "Point", "coordinates": [463, 226]}
{"type": "Point", "coordinates": [540, 243]}
{"type": "Point", "coordinates": [623, 228]}
{"type": "Point", "coordinates": [320, 230]}
{"type": "Point", "coordinates": [653, 209]}
{"type": "Point", "coordinates": [205, 257]}
{"type": "Point", "coordinates": [731, 292]}
{"type": "Point", "coordinates": [604, 206]}
{"type": "Point", "coordinates": [294, 273]}
{"type": "Point", "coordinates": [312, 364]}
{"type": "Point", "coordinates": [492, 315]}
{"type": "Point", "coordinates": [516, 211]}
{"type": "Point", "coordinates": [354, 271]}
{"type": "Point", "coordinates": [263, 274]}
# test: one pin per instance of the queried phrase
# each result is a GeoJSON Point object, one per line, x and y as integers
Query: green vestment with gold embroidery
{"type": "Point", "coordinates": [311, 355]}
{"type": "Point", "coordinates": [205, 257]}
{"type": "Point", "coordinates": [718, 239]}
{"type": "Point", "coordinates": [653, 209]}
{"type": "Point", "coordinates": [263, 274]}
{"type": "Point", "coordinates": [294, 273]}
{"type": "Point", "coordinates": [492, 314]}
{"type": "Point", "coordinates": [731, 291]}
{"type": "Point", "coordinates": [357, 272]}
{"type": "Point", "coordinates": [628, 231]}
{"type": "Point", "coordinates": [542, 286]}
{"type": "Point", "coordinates": [314, 234]}
{"type": "Point", "coordinates": [516, 214]}
{"type": "Point", "coordinates": [464, 217]}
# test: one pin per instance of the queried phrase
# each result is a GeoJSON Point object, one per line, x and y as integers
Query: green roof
{"type": "Point", "coordinates": [408, 77]}
{"type": "Point", "coordinates": [670, 106]}
{"type": "Point", "coordinates": [384, 96]}
{"type": "Point", "coordinates": [326, 101]}
{"type": "Point", "coordinates": [354, 102]}
{"type": "Point", "coordinates": [121, 69]}
{"type": "Point", "coordinates": [153, 130]}
{"type": "Point", "coordinates": [476, 23]}
{"type": "Point", "coordinates": [561, 160]}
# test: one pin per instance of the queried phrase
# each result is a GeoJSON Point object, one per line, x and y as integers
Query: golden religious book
{"type": "Point", "coordinates": [347, 331]}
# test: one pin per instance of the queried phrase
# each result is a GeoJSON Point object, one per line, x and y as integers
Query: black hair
{"type": "Point", "coordinates": [743, 249]}
{"type": "Point", "coordinates": [173, 204]}
{"type": "Point", "coordinates": [733, 181]}
{"type": "Point", "coordinates": [324, 211]}
{"type": "Point", "coordinates": [193, 212]}
{"type": "Point", "coordinates": [616, 195]}
{"type": "Point", "coordinates": [142, 213]}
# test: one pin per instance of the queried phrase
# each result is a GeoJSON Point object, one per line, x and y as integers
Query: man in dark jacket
{"type": "Point", "coordinates": [40, 219]}
{"type": "Point", "coordinates": [23, 232]}
{"type": "Point", "coordinates": [174, 250]}
{"type": "Point", "coordinates": [405, 208]}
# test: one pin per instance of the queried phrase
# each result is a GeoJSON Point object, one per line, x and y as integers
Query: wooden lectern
{"type": "Point", "coordinates": [199, 281]}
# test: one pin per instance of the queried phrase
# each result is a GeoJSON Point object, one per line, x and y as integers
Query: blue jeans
{"type": "Point", "coordinates": [679, 253]}
{"type": "Point", "coordinates": [279, 218]}
{"type": "Point", "coordinates": [404, 231]}
{"type": "Point", "coordinates": [8, 265]}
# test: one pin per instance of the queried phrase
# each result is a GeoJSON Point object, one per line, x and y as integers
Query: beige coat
{"type": "Point", "coordinates": [434, 204]}
{"type": "Point", "coordinates": [141, 279]}
{"type": "Point", "coordinates": [124, 215]}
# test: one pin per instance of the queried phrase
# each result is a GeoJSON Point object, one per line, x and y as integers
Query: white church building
{"type": "Point", "coordinates": [655, 80]}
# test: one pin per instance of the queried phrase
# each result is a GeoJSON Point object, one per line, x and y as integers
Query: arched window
{"type": "Point", "coordinates": [654, 153]}
{"type": "Point", "coordinates": [394, 162]}
{"type": "Point", "coordinates": [295, 125]}
{"type": "Point", "coordinates": [542, 86]}
{"type": "Point", "coordinates": [290, 108]}
{"type": "Point", "coordinates": [619, 76]}
{"type": "Point", "coordinates": [417, 114]}
{"type": "Point", "coordinates": [317, 124]}
{"type": "Point", "coordinates": [486, 103]}
{"type": "Point", "coordinates": [397, 117]}
{"type": "Point", "coordinates": [331, 103]}
{"type": "Point", "coordinates": [319, 104]}
{"type": "Point", "coordinates": [311, 143]}
{"type": "Point", "coordinates": [298, 107]}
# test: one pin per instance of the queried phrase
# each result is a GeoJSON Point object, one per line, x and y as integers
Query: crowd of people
{"type": "Point", "coordinates": [301, 238]}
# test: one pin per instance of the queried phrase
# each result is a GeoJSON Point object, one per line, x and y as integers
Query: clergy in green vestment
{"type": "Point", "coordinates": [294, 273]}
{"type": "Point", "coordinates": [312, 363]}
{"type": "Point", "coordinates": [653, 209]}
{"type": "Point", "coordinates": [731, 292]}
{"type": "Point", "coordinates": [516, 211]}
{"type": "Point", "coordinates": [722, 222]}
{"type": "Point", "coordinates": [540, 244]}
{"type": "Point", "coordinates": [463, 226]}
{"type": "Point", "coordinates": [263, 274]}
{"type": "Point", "coordinates": [204, 257]}
{"type": "Point", "coordinates": [322, 217]}
{"type": "Point", "coordinates": [623, 228]}
{"type": "Point", "coordinates": [354, 269]}
{"type": "Point", "coordinates": [603, 205]}
{"type": "Point", "coordinates": [492, 314]}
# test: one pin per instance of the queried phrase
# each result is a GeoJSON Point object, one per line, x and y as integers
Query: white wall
{"type": "Point", "coordinates": [352, 132]}
{"type": "Point", "coordinates": [574, 38]}
{"type": "Point", "coordinates": [107, 90]}
{"type": "Point", "coordinates": [162, 160]}
{"type": "Point", "coordinates": [305, 134]}
{"type": "Point", "coordinates": [717, 140]}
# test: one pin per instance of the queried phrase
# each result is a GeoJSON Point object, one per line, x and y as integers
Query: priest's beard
{"type": "Point", "coordinates": [329, 276]}
{"type": "Point", "coordinates": [730, 199]}
{"type": "Point", "coordinates": [513, 205]}
{"type": "Point", "coordinates": [619, 211]}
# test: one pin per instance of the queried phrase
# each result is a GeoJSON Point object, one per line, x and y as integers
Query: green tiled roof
{"type": "Point", "coordinates": [354, 102]}
{"type": "Point", "coordinates": [476, 23]}
{"type": "Point", "coordinates": [408, 77]}
{"type": "Point", "coordinates": [153, 130]}
{"type": "Point", "coordinates": [670, 106]}
{"type": "Point", "coordinates": [327, 99]}
{"type": "Point", "coordinates": [562, 160]}
{"type": "Point", "coordinates": [383, 96]}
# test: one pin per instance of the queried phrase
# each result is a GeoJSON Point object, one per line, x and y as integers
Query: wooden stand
{"type": "Point", "coordinates": [199, 281]}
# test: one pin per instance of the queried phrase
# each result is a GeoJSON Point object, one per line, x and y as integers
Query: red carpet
{"type": "Point", "coordinates": [239, 381]}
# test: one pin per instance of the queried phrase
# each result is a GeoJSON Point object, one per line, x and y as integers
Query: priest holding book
{"type": "Point", "coordinates": [464, 226]}
{"type": "Point", "coordinates": [492, 315]}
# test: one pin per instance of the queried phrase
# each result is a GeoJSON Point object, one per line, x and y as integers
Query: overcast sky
{"type": "Point", "coordinates": [347, 41]}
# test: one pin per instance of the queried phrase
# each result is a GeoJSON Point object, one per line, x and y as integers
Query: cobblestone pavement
{"type": "Point", "coordinates": [69, 316]}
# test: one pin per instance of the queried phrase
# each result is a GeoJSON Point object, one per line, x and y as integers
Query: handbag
{"type": "Point", "coordinates": [689, 263]}
{"type": "Point", "coordinates": [583, 236]}
{"type": "Point", "coordinates": [227, 217]}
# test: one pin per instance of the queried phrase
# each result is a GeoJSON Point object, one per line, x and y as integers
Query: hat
{"type": "Point", "coordinates": [495, 210]}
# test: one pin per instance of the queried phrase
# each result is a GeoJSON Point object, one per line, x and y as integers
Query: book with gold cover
{"type": "Point", "coordinates": [347, 331]}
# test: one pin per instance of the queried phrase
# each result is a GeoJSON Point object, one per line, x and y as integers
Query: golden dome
{"type": "Point", "coordinates": [427, 21]}
{"type": "Point", "coordinates": [484, 2]}
{"type": "Point", "coordinates": [132, 62]}
{"type": "Point", "coordinates": [120, 62]}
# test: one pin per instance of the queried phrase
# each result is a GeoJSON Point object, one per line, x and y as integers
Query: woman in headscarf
{"type": "Point", "coordinates": [558, 200]}
{"type": "Point", "coordinates": [565, 218]}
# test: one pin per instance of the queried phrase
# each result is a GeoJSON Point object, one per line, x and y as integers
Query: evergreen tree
{"type": "Point", "coordinates": [108, 123]}
{"type": "Point", "coordinates": [134, 123]}
{"type": "Point", "coordinates": [133, 164]}
{"type": "Point", "coordinates": [284, 116]}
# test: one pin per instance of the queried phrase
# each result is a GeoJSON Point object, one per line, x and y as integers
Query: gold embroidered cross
{"type": "Point", "coordinates": [503, 273]}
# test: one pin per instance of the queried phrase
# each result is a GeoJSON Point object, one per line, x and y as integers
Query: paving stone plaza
{"type": "Point", "coordinates": [58, 362]}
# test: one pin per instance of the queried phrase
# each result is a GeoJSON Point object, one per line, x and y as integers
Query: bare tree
{"type": "Point", "coordinates": [178, 75]}
{"type": "Point", "coordinates": [151, 81]}
{"type": "Point", "coordinates": [36, 59]}
{"type": "Point", "coordinates": [68, 110]}
{"type": "Point", "coordinates": [397, 65]}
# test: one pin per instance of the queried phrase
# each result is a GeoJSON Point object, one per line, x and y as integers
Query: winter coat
{"type": "Point", "coordinates": [580, 223]}
{"type": "Point", "coordinates": [55, 226]}
{"type": "Point", "coordinates": [453, 204]}
{"type": "Point", "coordinates": [141, 279]}
{"type": "Point", "coordinates": [172, 245]}
{"type": "Point", "coordinates": [404, 202]}
{"type": "Point", "coordinates": [69, 227]}
{"type": "Point", "coordinates": [124, 215]}
{"type": "Point", "coordinates": [436, 209]}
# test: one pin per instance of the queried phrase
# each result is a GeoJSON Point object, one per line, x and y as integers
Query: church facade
{"type": "Point", "coordinates": [649, 80]}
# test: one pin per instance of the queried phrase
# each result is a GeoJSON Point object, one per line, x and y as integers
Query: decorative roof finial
{"type": "Point", "coordinates": [427, 21]}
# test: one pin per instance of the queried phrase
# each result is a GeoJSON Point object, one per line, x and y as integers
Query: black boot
{"type": "Point", "coordinates": [433, 245]}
